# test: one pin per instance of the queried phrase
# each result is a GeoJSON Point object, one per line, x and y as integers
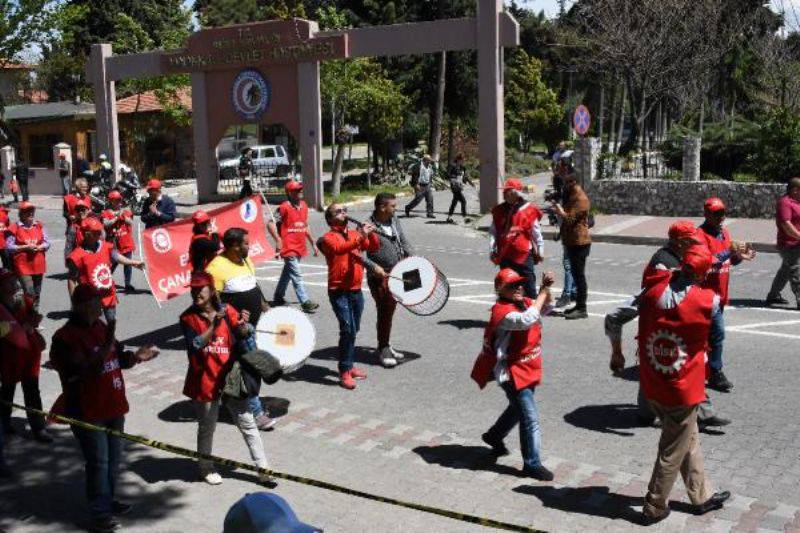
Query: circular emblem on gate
{"type": "Point", "coordinates": [666, 352]}
{"type": "Point", "coordinates": [248, 211]}
{"type": "Point", "coordinates": [161, 241]}
{"type": "Point", "coordinates": [101, 276]}
{"type": "Point", "coordinates": [251, 94]}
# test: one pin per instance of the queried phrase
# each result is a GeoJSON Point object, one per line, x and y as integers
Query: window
{"type": "Point", "coordinates": [268, 152]}
{"type": "Point", "coordinates": [41, 150]}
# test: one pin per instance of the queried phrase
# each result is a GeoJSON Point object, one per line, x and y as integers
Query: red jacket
{"type": "Point", "coordinates": [121, 233]}
{"type": "Point", "coordinates": [523, 353]}
{"type": "Point", "coordinates": [28, 263]}
{"type": "Point", "coordinates": [719, 277]}
{"type": "Point", "coordinates": [513, 227]}
{"type": "Point", "coordinates": [342, 249]}
{"type": "Point", "coordinates": [3, 227]}
{"type": "Point", "coordinates": [94, 268]}
{"type": "Point", "coordinates": [294, 227]}
{"type": "Point", "coordinates": [205, 377]}
{"type": "Point", "coordinates": [673, 344]}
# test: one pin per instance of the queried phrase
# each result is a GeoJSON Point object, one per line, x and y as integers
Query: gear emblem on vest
{"type": "Point", "coordinates": [161, 241]}
{"type": "Point", "coordinates": [666, 351]}
{"type": "Point", "coordinates": [101, 276]}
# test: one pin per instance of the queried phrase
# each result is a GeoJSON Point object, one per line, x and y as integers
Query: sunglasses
{"type": "Point", "coordinates": [340, 211]}
{"type": "Point", "coordinates": [718, 214]}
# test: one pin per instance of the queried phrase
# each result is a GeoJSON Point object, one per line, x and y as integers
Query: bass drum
{"type": "Point", "coordinates": [419, 286]}
{"type": "Point", "coordinates": [288, 335]}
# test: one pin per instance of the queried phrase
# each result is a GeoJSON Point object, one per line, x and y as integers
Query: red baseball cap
{"type": "Point", "coordinates": [513, 184]}
{"type": "Point", "coordinates": [91, 224]}
{"type": "Point", "coordinates": [114, 195]}
{"type": "Point", "coordinates": [200, 216]}
{"type": "Point", "coordinates": [84, 293]}
{"type": "Point", "coordinates": [506, 276]}
{"type": "Point", "coordinates": [153, 184]}
{"type": "Point", "coordinates": [26, 206]}
{"type": "Point", "coordinates": [714, 204]}
{"type": "Point", "coordinates": [682, 229]}
{"type": "Point", "coordinates": [293, 186]}
{"type": "Point", "coordinates": [201, 279]}
{"type": "Point", "coordinates": [698, 259]}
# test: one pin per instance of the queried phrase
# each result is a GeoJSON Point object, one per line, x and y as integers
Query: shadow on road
{"type": "Point", "coordinates": [58, 315]}
{"type": "Point", "coordinates": [465, 323]}
{"type": "Point", "coordinates": [610, 418]}
{"type": "Point", "coordinates": [365, 356]}
{"type": "Point", "coordinates": [183, 411]}
{"type": "Point", "coordinates": [463, 457]}
{"type": "Point", "coordinates": [61, 276]}
{"type": "Point", "coordinates": [629, 373]}
{"type": "Point", "coordinates": [309, 373]}
{"type": "Point", "coordinates": [166, 338]}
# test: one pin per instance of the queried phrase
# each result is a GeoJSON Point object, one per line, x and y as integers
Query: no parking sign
{"type": "Point", "coordinates": [581, 120]}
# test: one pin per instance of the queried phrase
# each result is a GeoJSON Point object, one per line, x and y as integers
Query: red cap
{"type": "Point", "coordinates": [84, 293]}
{"type": "Point", "coordinates": [506, 276]}
{"type": "Point", "coordinates": [153, 184]}
{"type": "Point", "coordinates": [698, 259]}
{"type": "Point", "coordinates": [292, 185]}
{"type": "Point", "coordinates": [513, 184]}
{"type": "Point", "coordinates": [682, 229]}
{"type": "Point", "coordinates": [91, 224]}
{"type": "Point", "coordinates": [26, 206]}
{"type": "Point", "coordinates": [114, 195]}
{"type": "Point", "coordinates": [200, 216]}
{"type": "Point", "coordinates": [201, 279]}
{"type": "Point", "coordinates": [714, 204]}
{"type": "Point", "coordinates": [83, 202]}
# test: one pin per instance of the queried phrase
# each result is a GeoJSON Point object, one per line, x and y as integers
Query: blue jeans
{"type": "Point", "coordinates": [715, 340]}
{"type": "Point", "coordinates": [102, 455]}
{"type": "Point", "coordinates": [569, 282]}
{"type": "Point", "coordinates": [347, 305]}
{"type": "Point", "coordinates": [521, 409]}
{"type": "Point", "coordinates": [255, 407]}
{"type": "Point", "coordinates": [291, 271]}
{"type": "Point", "coordinates": [126, 269]}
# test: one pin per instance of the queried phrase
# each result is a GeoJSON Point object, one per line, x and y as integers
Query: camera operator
{"type": "Point", "coordinates": [575, 237]}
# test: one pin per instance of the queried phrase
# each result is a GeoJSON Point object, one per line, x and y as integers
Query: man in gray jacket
{"type": "Point", "coordinates": [394, 247]}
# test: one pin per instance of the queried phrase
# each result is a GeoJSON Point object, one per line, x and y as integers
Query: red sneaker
{"type": "Point", "coordinates": [358, 373]}
{"type": "Point", "coordinates": [346, 380]}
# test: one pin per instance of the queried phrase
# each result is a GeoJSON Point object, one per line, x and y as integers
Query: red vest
{"type": "Point", "coordinates": [28, 263]}
{"type": "Point", "coordinates": [673, 344]}
{"type": "Point", "coordinates": [121, 233]}
{"type": "Point", "coordinates": [523, 354]}
{"type": "Point", "coordinates": [719, 277]}
{"type": "Point", "coordinates": [294, 224]}
{"type": "Point", "coordinates": [205, 377]}
{"type": "Point", "coordinates": [101, 395]}
{"type": "Point", "coordinates": [22, 350]}
{"type": "Point", "coordinates": [95, 269]}
{"type": "Point", "coordinates": [514, 235]}
{"type": "Point", "coordinates": [3, 227]}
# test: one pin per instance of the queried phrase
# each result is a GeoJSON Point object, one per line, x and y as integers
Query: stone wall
{"type": "Point", "coordinates": [682, 198]}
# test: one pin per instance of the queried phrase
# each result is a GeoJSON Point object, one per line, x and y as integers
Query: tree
{"type": "Point", "coordinates": [532, 109]}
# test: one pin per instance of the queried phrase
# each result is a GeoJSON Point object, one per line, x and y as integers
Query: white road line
{"type": "Point", "coordinates": [763, 333]}
{"type": "Point", "coordinates": [767, 324]}
{"type": "Point", "coordinates": [623, 225]}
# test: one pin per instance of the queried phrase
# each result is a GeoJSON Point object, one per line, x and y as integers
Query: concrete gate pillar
{"type": "Point", "coordinates": [105, 103]}
{"type": "Point", "coordinates": [491, 132]}
{"type": "Point", "coordinates": [310, 132]}
{"type": "Point", "coordinates": [587, 154]}
{"type": "Point", "coordinates": [205, 165]}
{"type": "Point", "coordinates": [691, 158]}
{"type": "Point", "coordinates": [7, 162]}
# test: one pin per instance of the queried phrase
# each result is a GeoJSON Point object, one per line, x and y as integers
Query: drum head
{"type": "Point", "coordinates": [412, 280]}
{"type": "Point", "coordinates": [287, 334]}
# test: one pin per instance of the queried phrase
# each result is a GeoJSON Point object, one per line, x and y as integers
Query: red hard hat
{"type": "Point", "coordinates": [153, 184]}
{"type": "Point", "coordinates": [682, 229]}
{"type": "Point", "coordinates": [26, 206]}
{"type": "Point", "coordinates": [506, 276]}
{"type": "Point", "coordinates": [200, 216]}
{"type": "Point", "coordinates": [115, 195]}
{"type": "Point", "coordinates": [201, 279]}
{"type": "Point", "coordinates": [293, 186]}
{"type": "Point", "coordinates": [513, 184]}
{"type": "Point", "coordinates": [714, 204]}
{"type": "Point", "coordinates": [698, 259]}
{"type": "Point", "coordinates": [91, 224]}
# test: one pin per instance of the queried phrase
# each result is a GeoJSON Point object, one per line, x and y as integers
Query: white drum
{"type": "Point", "coordinates": [419, 286]}
{"type": "Point", "coordinates": [287, 334]}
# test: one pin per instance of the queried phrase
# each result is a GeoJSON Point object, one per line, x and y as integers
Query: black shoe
{"type": "Point", "coordinates": [712, 422]}
{"type": "Point", "coordinates": [646, 421]}
{"type": "Point", "coordinates": [278, 302]}
{"type": "Point", "coordinates": [575, 313]}
{"type": "Point", "coordinates": [430, 216]}
{"type": "Point", "coordinates": [713, 503]}
{"type": "Point", "coordinates": [103, 524]}
{"type": "Point", "coordinates": [119, 508]}
{"type": "Point", "coordinates": [42, 436]}
{"type": "Point", "coordinates": [408, 212]}
{"type": "Point", "coordinates": [647, 520]}
{"type": "Point", "coordinates": [719, 382]}
{"type": "Point", "coordinates": [309, 306]}
{"type": "Point", "coordinates": [539, 472]}
{"type": "Point", "coordinates": [777, 300]}
{"type": "Point", "coordinates": [450, 220]}
{"type": "Point", "coordinates": [563, 300]}
{"type": "Point", "coordinates": [498, 448]}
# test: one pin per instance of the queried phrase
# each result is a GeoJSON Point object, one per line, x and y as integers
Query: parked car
{"type": "Point", "coordinates": [269, 160]}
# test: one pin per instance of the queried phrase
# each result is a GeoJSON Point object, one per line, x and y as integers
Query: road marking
{"type": "Point", "coordinates": [623, 225]}
{"type": "Point", "coordinates": [767, 324]}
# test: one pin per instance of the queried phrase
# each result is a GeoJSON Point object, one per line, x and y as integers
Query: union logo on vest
{"type": "Point", "coordinates": [161, 241]}
{"type": "Point", "coordinates": [101, 276]}
{"type": "Point", "coordinates": [250, 94]}
{"type": "Point", "coordinates": [666, 352]}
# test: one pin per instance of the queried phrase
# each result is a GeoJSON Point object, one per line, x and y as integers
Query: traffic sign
{"type": "Point", "coordinates": [581, 120]}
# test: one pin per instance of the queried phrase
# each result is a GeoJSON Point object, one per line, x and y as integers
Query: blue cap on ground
{"type": "Point", "coordinates": [264, 512]}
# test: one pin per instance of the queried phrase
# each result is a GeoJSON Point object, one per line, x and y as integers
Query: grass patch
{"type": "Point", "coordinates": [347, 165]}
{"type": "Point", "coordinates": [349, 194]}
{"type": "Point", "coordinates": [525, 164]}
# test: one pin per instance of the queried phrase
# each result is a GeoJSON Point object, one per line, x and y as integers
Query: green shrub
{"type": "Point", "coordinates": [745, 177]}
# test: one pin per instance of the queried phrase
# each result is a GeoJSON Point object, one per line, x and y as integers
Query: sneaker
{"type": "Point", "coordinates": [346, 380]}
{"type": "Point", "coordinates": [212, 478]}
{"type": "Point", "coordinates": [776, 300]}
{"type": "Point", "coordinates": [264, 422]}
{"type": "Point", "coordinates": [563, 300]}
{"type": "Point", "coordinates": [498, 447]}
{"type": "Point", "coordinates": [357, 373]}
{"type": "Point", "coordinates": [397, 355]}
{"type": "Point", "coordinates": [267, 480]}
{"type": "Point", "coordinates": [712, 422]}
{"type": "Point", "coordinates": [42, 436]}
{"type": "Point", "coordinates": [716, 501]}
{"type": "Point", "coordinates": [309, 306]}
{"type": "Point", "coordinates": [278, 302]}
{"type": "Point", "coordinates": [719, 382]}
{"type": "Point", "coordinates": [118, 508]}
{"type": "Point", "coordinates": [430, 216]}
{"type": "Point", "coordinates": [103, 524]}
{"type": "Point", "coordinates": [387, 358]}
{"type": "Point", "coordinates": [575, 314]}
{"type": "Point", "coordinates": [450, 220]}
{"type": "Point", "coordinates": [647, 520]}
{"type": "Point", "coordinates": [540, 472]}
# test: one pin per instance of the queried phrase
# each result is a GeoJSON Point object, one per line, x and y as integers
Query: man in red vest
{"type": "Point", "coordinates": [89, 362]}
{"type": "Point", "coordinates": [516, 235]}
{"type": "Point", "coordinates": [118, 224]}
{"type": "Point", "coordinates": [205, 244]}
{"type": "Point", "coordinates": [292, 224]}
{"type": "Point", "coordinates": [27, 243]}
{"type": "Point", "coordinates": [91, 263]}
{"type": "Point", "coordinates": [512, 355]}
{"type": "Point", "coordinates": [71, 200]}
{"type": "Point", "coordinates": [675, 315]}
{"type": "Point", "coordinates": [726, 254]}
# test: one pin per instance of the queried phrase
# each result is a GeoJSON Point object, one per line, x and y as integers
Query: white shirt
{"type": "Point", "coordinates": [513, 321]}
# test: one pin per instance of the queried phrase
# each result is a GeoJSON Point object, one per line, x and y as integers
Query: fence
{"type": "Point", "coordinates": [265, 177]}
{"type": "Point", "coordinates": [613, 167]}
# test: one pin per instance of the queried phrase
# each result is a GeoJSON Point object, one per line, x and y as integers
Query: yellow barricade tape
{"type": "Point", "coordinates": [178, 450]}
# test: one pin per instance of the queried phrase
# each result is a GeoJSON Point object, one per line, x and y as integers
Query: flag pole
{"type": "Point", "coordinates": [141, 256]}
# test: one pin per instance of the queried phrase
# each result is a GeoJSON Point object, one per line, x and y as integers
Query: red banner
{"type": "Point", "coordinates": [166, 248]}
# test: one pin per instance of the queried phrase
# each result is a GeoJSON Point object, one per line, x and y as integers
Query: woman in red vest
{"type": "Point", "coordinates": [27, 243]}
{"type": "Point", "coordinates": [205, 243]}
{"type": "Point", "coordinates": [208, 328]}
{"type": "Point", "coordinates": [5, 259]}
{"type": "Point", "coordinates": [74, 236]}
{"type": "Point", "coordinates": [89, 362]}
{"type": "Point", "coordinates": [118, 224]}
{"type": "Point", "coordinates": [675, 314]}
{"type": "Point", "coordinates": [292, 223]}
{"type": "Point", "coordinates": [512, 355]}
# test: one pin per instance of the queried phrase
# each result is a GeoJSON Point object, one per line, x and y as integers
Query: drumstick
{"type": "Point", "coordinates": [282, 332]}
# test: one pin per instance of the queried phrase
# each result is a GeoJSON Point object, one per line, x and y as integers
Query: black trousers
{"type": "Point", "coordinates": [525, 269]}
{"type": "Point", "coordinates": [577, 256]}
{"type": "Point", "coordinates": [23, 189]}
{"type": "Point", "coordinates": [247, 189]}
{"type": "Point", "coordinates": [425, 192]}
{"type": "Point", "coordinates": [458, 198]}
{"type": "Point", "coordinates": [32, 397]}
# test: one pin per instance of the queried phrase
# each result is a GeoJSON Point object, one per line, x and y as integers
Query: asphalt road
{"type": "Point", "coordinates": [413, 432]}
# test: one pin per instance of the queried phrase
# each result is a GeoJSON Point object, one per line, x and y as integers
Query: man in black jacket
{"type": "Point", "coordinates": [158, 209]}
